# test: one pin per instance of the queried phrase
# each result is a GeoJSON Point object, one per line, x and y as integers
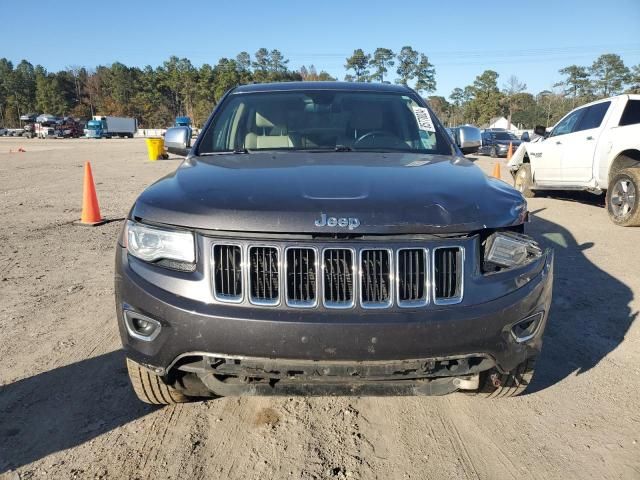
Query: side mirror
{"type": "Point", "coordinates": [469, 139]}
{"type": "Point", "coordinates": [540, 130]}
{"type": "Point", "coordinates": [178, 140]}
{"type": "Point", "coordinates": [525, 137]}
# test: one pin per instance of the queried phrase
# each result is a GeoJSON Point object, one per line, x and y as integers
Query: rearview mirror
{"type": "Point", "coordinates": [178, 140]}
{"type": "Point", "coordinates": [468, 138]}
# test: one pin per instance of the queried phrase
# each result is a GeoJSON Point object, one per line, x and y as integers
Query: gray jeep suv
{"type": "Point", "coordinates": [328, 238]}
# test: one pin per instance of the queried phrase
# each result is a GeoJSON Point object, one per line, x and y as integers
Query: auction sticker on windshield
{"type": "Point", "coordinates": [424, 119]}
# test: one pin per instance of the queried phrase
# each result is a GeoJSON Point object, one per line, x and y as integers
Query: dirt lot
{"type": "Point", "coordinates": [67, 411]}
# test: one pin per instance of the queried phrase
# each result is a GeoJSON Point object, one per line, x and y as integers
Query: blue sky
{"type": "Point", "coordinates": [531, 39]}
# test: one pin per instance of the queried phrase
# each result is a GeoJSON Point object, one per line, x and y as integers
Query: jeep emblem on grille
{"type": "Point", "coordinates": [348, 222]}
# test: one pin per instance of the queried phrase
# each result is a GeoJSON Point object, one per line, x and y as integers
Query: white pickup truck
{"type": "Point", "coordinates": [595, 147]}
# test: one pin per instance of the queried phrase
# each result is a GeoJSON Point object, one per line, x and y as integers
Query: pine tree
{"type": "Point", "coordinates": [358, 62]}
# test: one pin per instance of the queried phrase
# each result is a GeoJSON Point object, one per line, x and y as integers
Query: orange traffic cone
{"type": "Point", "coordinates": [510, 151]}
{"type": "Point", "coordinates": [90, 208]}
{"type": "Point", "coordinates": [496, 171]}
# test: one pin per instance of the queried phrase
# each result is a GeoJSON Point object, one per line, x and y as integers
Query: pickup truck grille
{"type": "Point", "coordinates": [338, 277]}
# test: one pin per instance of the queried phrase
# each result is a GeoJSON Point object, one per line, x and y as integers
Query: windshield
{"type": "Point", "coordinates": [505, 136]}
{"type": "Point", "coordinates": [94, 124]}
{"type": "Point", "coordinates": [324, 120]}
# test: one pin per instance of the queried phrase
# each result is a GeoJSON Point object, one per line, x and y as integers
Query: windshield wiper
{"type": "Point", "coordinates": [343, 148]}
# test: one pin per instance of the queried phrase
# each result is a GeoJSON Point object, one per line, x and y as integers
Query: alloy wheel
{"type": "Point", "coordinates": [623, 198]}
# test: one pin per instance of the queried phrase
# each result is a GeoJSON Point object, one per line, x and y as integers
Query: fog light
{"type": "Point", "coordinates": [527, 328]}
{"type": "Point", "coordinates": [141, 327]}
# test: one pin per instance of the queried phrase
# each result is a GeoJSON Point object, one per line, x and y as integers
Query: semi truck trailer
{"type": "Point", "coordinates": [107, 127]}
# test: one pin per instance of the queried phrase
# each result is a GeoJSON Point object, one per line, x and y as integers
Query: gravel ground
{"type": "Point", "coordinates": [67, 411]}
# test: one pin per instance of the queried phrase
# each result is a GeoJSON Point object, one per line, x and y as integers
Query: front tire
{"type": "Point", "coordinates": [623, 197]}
{"type": "Point", "coordinates": [523, 181]}
{"type": "Point", "coordinates": [150, 388]}
{"type": "Point", "coordinates": [494, 384]}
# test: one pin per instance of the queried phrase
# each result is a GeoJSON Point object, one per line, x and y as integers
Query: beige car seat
{"type": "Point", "coordinates": [270, 133]}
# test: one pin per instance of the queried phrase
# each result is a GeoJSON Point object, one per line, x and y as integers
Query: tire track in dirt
{"type": "Point", "coordinates": [335, 445]}
{"type": "Point", "coordinates": [495, 447]}
{"type": "Point", "coordinates": [416, 437]}
{"type": "Point", "coordinates": [458, 444]}
{"type": "Point", "coordinates": [221, 436]}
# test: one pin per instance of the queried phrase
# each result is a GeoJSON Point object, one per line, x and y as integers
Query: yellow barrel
{"type": "Point", "coordinates": [155, 148]}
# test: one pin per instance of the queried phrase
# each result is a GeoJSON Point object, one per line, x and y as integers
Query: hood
{"type": "Point", "coordinates": [289, 192]}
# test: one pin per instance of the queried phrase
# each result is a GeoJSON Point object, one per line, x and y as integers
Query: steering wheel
{"type": "Point", "coordinates": [371, 134]}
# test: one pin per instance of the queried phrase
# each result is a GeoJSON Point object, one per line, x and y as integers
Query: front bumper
{"type": "Point", "coordinates": [193, 329]}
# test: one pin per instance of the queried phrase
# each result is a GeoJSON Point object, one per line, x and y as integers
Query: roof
{"type": "Point", "coordinates": [292, 86]}
{"type": "Point", "coordinates": [496, 119]}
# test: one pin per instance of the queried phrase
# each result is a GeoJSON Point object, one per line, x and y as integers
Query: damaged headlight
{"type": "Point", "coordinates": [508, 250]}
{"type": "Point", "coordinates": [152, 244]}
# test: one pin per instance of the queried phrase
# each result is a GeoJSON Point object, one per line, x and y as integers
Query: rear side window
{"type": "Point", "coordinates": [593, 116]}
{"type": "Point", "coordinates": [631, 114]}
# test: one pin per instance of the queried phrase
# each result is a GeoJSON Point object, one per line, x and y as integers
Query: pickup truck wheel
{"type": "Point", "coordinates": [623, 198]}
{"type": "Point", "coordinates": [150, 388]}
{"type": "Point", "coordinates": [493, 152]}
{"type": "Point", "coordinates": [523, 181]}
{"type": "Point", "coordinates": [494, 384]}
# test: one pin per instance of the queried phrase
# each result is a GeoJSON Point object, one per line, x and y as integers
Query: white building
{"type": "Point", "coordinates": [501, 122]}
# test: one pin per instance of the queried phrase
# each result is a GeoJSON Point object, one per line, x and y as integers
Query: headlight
{"type": "Point", "coordinates": [508, 250]}
{"type": "Point", "coordinates": [152, 244]}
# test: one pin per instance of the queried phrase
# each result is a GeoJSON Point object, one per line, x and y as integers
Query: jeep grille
{"type": "Point", "coordinates": [301, 277]}
{"type": "Point", "coordinates": [448, 277]}
{"type": "Point", "coordinates": [227, 277]}
{"type": "Point", "coordinates": [264, 278]}
{"type": "Point", "coordinates": [338, 277]}
{"type": "Point", "coordinates": [375, 278]}
{"type": "Point", "coordinates": [412, 265]}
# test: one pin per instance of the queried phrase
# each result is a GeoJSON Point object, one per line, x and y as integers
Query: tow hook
{"type": "Point", "coordinates": [471, 382]}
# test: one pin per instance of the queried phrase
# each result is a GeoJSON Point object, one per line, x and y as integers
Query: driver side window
{"type": "Point", "coordinates": [568, 124]}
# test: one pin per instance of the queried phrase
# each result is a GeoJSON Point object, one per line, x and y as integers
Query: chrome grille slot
{"type": "Point", "coordinates": [338, 277]}
{"type": "Point", "coordinates": [375, 278]}
{"type": "Point", "coordinates": [227, 272]}
{"type": "Point", "coordinates": [412, 278]}
{"type": "Point", "coordinates": [447, 274]}
{"type": "Point", "coordinates": [264, 277]}
{"type": "Point", "coordinates": [301, 277]}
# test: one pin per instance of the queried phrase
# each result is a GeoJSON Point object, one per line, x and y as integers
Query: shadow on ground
{"type": "Point", "coordinates": [590, 312]}
{"type": "Point", "coordinates": [573, 196]}
{"type": "Point", "coordinates": [65, 407]}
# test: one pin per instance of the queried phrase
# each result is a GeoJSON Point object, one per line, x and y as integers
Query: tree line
{"type": "Point", "coordinates": [484, 100]}
{"type": "Point", "coordinates": [155, 96]}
